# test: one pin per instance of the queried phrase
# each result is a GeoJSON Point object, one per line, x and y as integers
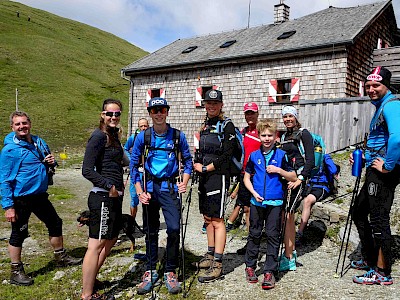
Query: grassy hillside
{"type": "Point", "coordinates": [63, 71]}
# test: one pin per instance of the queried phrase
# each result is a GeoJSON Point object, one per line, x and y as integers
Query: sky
{"type": "Point", "coordinates": [152, 24]}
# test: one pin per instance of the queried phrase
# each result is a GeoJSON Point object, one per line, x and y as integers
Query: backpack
{"type": "Point", "coordinates": [319, 149]}
{"type": "Point", "coordinates": [236, 164]}
{"type": "Point", "coordinates": [176, 138]}
{"type": "Point", "coordinates": [333, 179]}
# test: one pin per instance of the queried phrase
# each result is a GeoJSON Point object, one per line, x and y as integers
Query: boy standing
{"type": "Point", "coordinates": [268, 165]}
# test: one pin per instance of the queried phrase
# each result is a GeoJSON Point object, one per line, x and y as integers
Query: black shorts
{"type": "Point", "coordinates": [296, 195]}
{"type": "Point", "coordinates": [319, 193]}
{"type": "Point", "coordinates": [244, 196]}
{"type": "Point", "coordinates": [41, 206]}
{"type": "Point", "coordinates": [213, 189]}
{"type": "Point", "coordinates": [105, 216]}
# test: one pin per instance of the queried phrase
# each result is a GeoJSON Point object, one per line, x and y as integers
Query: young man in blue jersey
{"type": "Point", "coordinates": [158, 150]}
{"type": "Point", "coordinates": [371, 211]}
{"type": "Point", "coordinates": [267, 165]}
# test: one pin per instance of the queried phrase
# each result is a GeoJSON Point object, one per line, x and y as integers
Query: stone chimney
{"type": "Point", "coordinates": [281, 12]}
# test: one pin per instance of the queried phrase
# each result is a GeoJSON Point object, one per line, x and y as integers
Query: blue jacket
{"type": "Point", "coordinates": [159, 163]}
{"type": "Point", "coordinates": [22, 172]}
{"type": "Point", "coordinates": [268, 186]}
{"type": "Point", "coordinates": [129, 143]}
{"type": "Point", "coordinates": [320, 180]}
{"type": "Point", "coordinates": [384, 136]}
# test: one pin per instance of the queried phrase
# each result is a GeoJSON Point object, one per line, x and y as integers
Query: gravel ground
{"type": "Point", "coordinates": [314, 278]}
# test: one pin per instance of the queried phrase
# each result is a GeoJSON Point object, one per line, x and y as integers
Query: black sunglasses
{"type": "Point", "coordinates": [112, 113]}
{"type": "Point", "coordinates": [158, 109]}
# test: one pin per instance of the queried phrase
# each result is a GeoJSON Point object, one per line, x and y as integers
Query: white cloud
{"type": "Point", "coordinates": [152, 24]}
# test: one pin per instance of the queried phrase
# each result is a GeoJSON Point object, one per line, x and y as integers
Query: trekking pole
{"type": "Point", "coordinates": [146, 207]}
{"type": "Point", "coordinates": [282, 235]}
{"type": "Point", "coordinates": [180, 179]}
{"type": "Point", "coordinates": [334, 198]}
{"type": "Point", "coordinates": [356, 171]}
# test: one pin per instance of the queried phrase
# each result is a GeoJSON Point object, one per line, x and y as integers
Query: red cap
{"type": "Point", "coordinates": [251, 106]}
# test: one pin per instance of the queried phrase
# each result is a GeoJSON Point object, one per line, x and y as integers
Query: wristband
{"type": "Point", "coordinates": [204, 169]}
{"type": "Point", "coordinates": [140, 194]}
{"type": "Point", "coordinates": [301, 177]}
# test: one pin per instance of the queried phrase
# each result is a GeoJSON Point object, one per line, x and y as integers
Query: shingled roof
{"type": "Point", "coordinates": [331, 27]}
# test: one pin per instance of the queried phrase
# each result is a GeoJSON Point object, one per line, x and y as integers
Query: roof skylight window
{"type": "Point", "coordinates": [227, 44]}
{"type": "Point", "coordinates": [286, 34]}
{"type": "Point", "coordinates": [189, 49]}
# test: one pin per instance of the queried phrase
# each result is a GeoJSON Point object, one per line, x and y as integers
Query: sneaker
{"type": "Point", "coordinates": [205, 262]}
{"type": "Point", "coordinates": [147, 282]}
{"type": "Point", "coordinates": [298, 239]}
{"type": "Point", "coordinates": [268, 282]}
{"type": "Point", "coordinates": [286, 264]}
{"type": "Point", "coordinates": [204, 228]}
{"type": "Point", "coordinates": [360, 265]}
{"type": "Point", "coordinates": [229, 227]}
{"type": "Point", "coordinates": [251, 276]}
{"type": "Point", "coordinates": [213, 273]}
{"type": "Point", "coordinates": [373, 277]}
{"type": "Point", "coordinates": [172, 283]}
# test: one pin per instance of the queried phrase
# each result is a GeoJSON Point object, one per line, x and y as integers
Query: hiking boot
{"type": "Point", "coordinates": [251, 276]}
{"type": "Point", "coordinates": [213, 273]}
{"type": "Point", "coordinates": [101, 285]}
{"type": "Point", "coordinates": [204, 228]}
{"type": "Point", "coordinates": [286, 264]}
{"type": "Point", "coordinates": [205, 262]}
{"type": "Point", "coordinates": [18, 275]}
{"type": "Point", "coordinates": [360, 265]}
{"type": "Point", "coordinates": [172, 283]}
{"type": "Point", "coordinates": [97, 296]}
{"type": "Point", "coordinates": [229, 227]}
{"type": "Point", "coordinates": [298, 239]}
{"type": "Point", "coordinates": [63, 259]}
{"type": "Point", "coordinates": [269, 281]}
{"type": "Point", "coordinates": [147, 282]}
{"type": "Point", "coordinates": [373, 277]}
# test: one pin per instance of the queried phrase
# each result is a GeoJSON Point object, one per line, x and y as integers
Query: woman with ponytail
{"type": "Point", "coordinates": [102, 165]}
{"type": "Point", "coordinates": [213, 160]}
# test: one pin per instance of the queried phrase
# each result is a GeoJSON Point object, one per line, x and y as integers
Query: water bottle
{"type": "Point", "coordinates": [318, 156]}
{"type": "Point", "coordinates": [357, 165]}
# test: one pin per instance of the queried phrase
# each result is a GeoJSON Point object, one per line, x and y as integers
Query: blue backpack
{"type": "Point", "coordinates": [319, 149]}
{"type": "Point", "coordinates": [236, 164]}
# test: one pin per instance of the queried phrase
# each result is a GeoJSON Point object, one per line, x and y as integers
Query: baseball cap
{"type": "Point", "coordinates": [380, 74]}
{"type": "Point", "coordinates": [157, 101]}
{"type": "Point", "coordinates": [213, 95]}
{"type": "Point", "coordinates": [251, 106]}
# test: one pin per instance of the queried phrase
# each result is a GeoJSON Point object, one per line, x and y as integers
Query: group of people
{"type": "Point", "coordinates": [277, 175]}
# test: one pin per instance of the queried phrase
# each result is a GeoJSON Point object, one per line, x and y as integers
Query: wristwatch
{"type": "Point", "coordinates": [204, 169]}
{"type": "Point", "coordinates": [301, 177]}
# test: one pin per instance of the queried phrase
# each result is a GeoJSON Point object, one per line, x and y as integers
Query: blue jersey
{"type": "Point", "coordinates": [160, 164]}
{"type": "Point", "coordinates": [384, 136]}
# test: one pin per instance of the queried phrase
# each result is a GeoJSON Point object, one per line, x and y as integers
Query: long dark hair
{"type": "Point", "coordinates": [113, 134]}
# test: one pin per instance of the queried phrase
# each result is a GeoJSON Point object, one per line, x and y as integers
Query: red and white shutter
{"type": "Point", "coordinates": [379, 44]}
{"type": "Point", "coordinates": [199, 98]}
{"type": "Point", "coordinates": [162, 93]}
{"type": "Point", "coordinates": [361, 89]}
{"type": "Point", "coordinates": [295, 90]}
{"type": "Point", "coordinates": [273, 86]}
{"type": "Point", "coordinates": [148, 97]}
{"type": "Point", "coordinates": [196, 141]}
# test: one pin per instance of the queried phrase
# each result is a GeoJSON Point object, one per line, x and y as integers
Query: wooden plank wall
{"type": "Point", "coordinates": [389, 58]}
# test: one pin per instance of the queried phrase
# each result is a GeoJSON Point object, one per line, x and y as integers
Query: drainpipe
{"type": "Point", "coordinates": [130, 111]}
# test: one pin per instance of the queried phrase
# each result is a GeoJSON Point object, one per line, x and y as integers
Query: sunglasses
{"type": "Point", "coordinates": [155, 110]}
{"type": "Point", "coordinates": [112, 113]}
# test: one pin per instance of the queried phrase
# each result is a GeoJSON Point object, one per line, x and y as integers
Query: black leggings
{"type": "Point", "coordinates": [375, 201]}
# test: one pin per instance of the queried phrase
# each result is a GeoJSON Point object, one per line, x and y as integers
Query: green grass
{"type": "Point", "coordinates": [63, 71]}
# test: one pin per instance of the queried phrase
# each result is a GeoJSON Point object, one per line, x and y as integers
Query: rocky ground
{"type": "Point", "coordinates": [314, 278]}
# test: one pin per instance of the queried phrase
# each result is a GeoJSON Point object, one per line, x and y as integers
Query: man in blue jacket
{"type": "Point", "coordinates": [161, 149]}
{"type": "Point", "coordinates": [24, 163]}
{"type": "Point", "coordinates": [371, 213]}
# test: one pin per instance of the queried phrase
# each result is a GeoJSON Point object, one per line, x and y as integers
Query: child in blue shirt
{"type": "Point", "coordinates": [268, 165]}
